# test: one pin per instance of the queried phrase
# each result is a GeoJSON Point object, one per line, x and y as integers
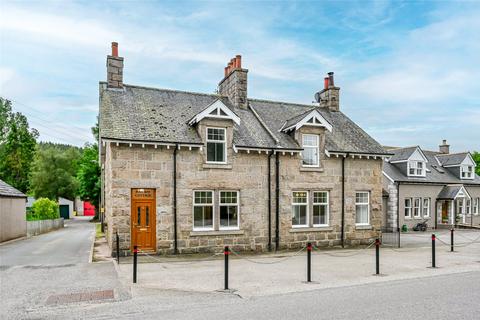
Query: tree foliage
{"type": "Point", "coordinates": [476, 158]}
{"type": "Point", "coordinates": [54, 173]}
{"type": "Point", "coordinates": [89, 172]}
{"type": "Point", "coordinates": [17, 146]}
{"type": "Point", "coordinates": [44, 209]}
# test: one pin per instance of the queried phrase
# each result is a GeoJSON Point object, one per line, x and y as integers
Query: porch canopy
{"type": "Point", "coordinates": [451, 192]}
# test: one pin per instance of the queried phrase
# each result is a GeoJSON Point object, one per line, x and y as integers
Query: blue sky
{"type": "Point", "coordinates": [409, 71]}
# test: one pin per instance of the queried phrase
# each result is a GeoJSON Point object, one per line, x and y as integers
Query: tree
{"type": "Point", "coordinates": [476, 158]}
{"type": "Point", "coordinates": [54, 173]}
{"type": "Point", "coordinates": [17, 147]}
{"type": "Point", "coordinates": [89, 173]}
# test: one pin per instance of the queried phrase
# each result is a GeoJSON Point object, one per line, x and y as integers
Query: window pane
{"type": "Point", "coordinates": [361, 197]}
{"type": "Point", "coordinates": [228, 216]}
{"type": "Point", "coordinates": [310, 156]}
{"type": "Point", "coordinates": [147, 217]}
{"type": "Point", "coordinates": [198, 217]}
{"type": "Point", "coordinates": [228, 197]}
{"type": "Point", "coordinates": [320, 214]}
{"type": "Point", "coordinates": [300, 197]}
{"type": "Point", "coordinates": [203, 197]}
{"type": "Point", "coordinates": [216, 134]}
{"type": "Point", "coordinates": [310, 140]}
{"type": "Point", "coordinates": [361, 213]}
{"type": "Point", "coordinates": [320, 197]}
{"type": "Point", "coordinates": [299, 215]}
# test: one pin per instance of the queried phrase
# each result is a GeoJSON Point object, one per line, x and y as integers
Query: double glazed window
{"type": "Point", "coordinates": [467, 172]}
{"type": "Point", "coordinates": [417, 206]}
{"type": "Point", "coordinates": [416, 168]}
{"type": "Point", "coordinates": [320, 208]}
{"type": "Point", "coordinates": [310, 153]}
{"type": "Point", "coordinates": [476, 206]}
{"type": "Point", "coordinates": [216, 145]}
{"type": "Point", "coordinates": [300, 209]}
{"type": "Point", "coordinates": [302, 206]}
{"type": "Point", "coordinates": [204, 210]}
{"type": "Point", "coordinates": [362, 208]}
{"type": "Point", "coordinates": [426, 207]}
{"type": "Point", "coordinates": [408, 207]}
{"type": "Point", "coordinates": [228, 210]}
{"type": "Point", "coordinates": [468, 206]}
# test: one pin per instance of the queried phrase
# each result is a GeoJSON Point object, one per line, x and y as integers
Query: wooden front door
{"type": "Point", "coordinates": [143, 219]}
{"type": "Point", "coordinates": [445, 212]}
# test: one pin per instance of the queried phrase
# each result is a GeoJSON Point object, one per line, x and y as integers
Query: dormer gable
{"type": "Point", "coordinates": [461, 165]}
{"type": "Point", "coordinates": [312, 119]}
{"type": "Point", "coordinates": [217, 110]}
{"type": "Point", "coordinates": [412, 161]}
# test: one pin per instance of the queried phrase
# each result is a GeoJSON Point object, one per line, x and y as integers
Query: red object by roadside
{"type": "Point", "coordinates": [88, 209]}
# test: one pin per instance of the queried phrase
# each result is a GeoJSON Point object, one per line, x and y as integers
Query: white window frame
{"type": "Point", "coordinates": [417, 209]}
{"type": "Point", "coordinates": [326, 204]}
{"type": "Point", "coordinates": [460, 206]}
{"type": "Point", "coordinates": [413, 164]}
{"type": "Point", "coordinates": [466, 172]}
{"type": "Point", "coordinates": [468, 206]}
{"type": "Point", "coordinates": [217, 141]}
{"type": "Point", "coordinates": [362, 204]}
{"type": "Point", "coordinates": [317, 147]}
{"type": "Point", "coordinates": [202, 205]}
{"type": "Point", "coordinates": [306, 204]}
{"type": "Point", "coordinates": [220, 204]}
{"type": "Point", "coordinates": [476, 206]}
{"type": "Point", "coordinates": [409, 208]}
{"type": "Point", "coordinates": [426, 207]}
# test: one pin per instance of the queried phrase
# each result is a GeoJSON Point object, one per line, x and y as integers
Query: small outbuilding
{"type": "Point", "coordinates": [12, 213]}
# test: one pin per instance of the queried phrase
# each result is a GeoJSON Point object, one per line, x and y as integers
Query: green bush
{"type": "Point", "coordinates": [44, 209]}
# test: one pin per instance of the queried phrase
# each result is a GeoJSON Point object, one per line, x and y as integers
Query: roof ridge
{"type": "Point", "coordinates": [452, 154]}
{"type": "Point", "coordinates": [171, 90]}
{"type": "Point", "coordinates": [284, 102]}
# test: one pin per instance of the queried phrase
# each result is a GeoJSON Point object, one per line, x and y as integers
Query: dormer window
{"type": "Point", "coordinates": [310, 151]}
{"type": "Point", "coordinates": [417, 168]}
{"type": "Point", "coordinates": [216, 145]}
{"type": "Point", "coordinates": [466, 172]}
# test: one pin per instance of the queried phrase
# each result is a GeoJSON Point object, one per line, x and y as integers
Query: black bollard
{"type": "Point", "coordinates": [226, 253]}
{"type": "Point", "coordinates": [433, 251]}
{"type": "Point", "coordinates": [451, 240]}
{"type": "Point", "coordinates": [135, 251]}
{"type": "Point", "coordinates": [377, 255]}
{"type": "Point", "coordinates": [118, 247]}
{"type": "Point", "coordinates": [309, 262]}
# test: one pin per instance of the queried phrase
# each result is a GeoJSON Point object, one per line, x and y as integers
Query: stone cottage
{"type": "Point", "coordinates": [438, 187]}
{"type": "Point", "coordinates": [191, 172]}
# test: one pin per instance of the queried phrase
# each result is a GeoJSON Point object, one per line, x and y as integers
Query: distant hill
{"type": "Point", "coordinates": [57, 146]}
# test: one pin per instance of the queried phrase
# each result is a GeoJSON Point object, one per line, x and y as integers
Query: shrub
{"type": "Point", "coordinates": [44, 209]}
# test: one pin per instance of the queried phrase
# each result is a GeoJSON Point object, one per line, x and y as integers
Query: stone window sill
{"type": "Point", "coordinates": [311, 169]}
{"type": "Point", "coordinates": [216, 233]}
{"type": "Point", "coordinates": [310, 229]}
{"type": "Point", "coordinates": [363, 227]}
{"type": "Point", "coordinates": [217, 166]}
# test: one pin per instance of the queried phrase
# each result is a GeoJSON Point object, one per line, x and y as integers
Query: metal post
{"type": "Point", "coordinates": [451, 239]}
{"type": "Point", "coordinates": [118, 247]}
{"type": "Point", "coordinates": [226, 253]}
{"type": "Point", "coordinates": [309, 262]}
{"type": "Point", "coordinates": [135, 250]}
{"type": "Point", "coordinates": [433, 250]}
{"type": "Point", "coordinates": [377, 255]}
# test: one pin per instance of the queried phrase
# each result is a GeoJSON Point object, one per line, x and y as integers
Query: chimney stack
{"type": "Point", "coordinates": [444, 147]}
{"type": "Point", "coordinates": [234, 83]}
{"type": "Point", "coordinates": [115, 68]}
{"type": "Point", "coordinates": [329, 97]}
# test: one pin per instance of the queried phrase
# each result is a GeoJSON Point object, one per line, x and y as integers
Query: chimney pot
{"type": "Point", "coordinates": [325, 82]}
{"type": "Point", "coordinates": [238, 58]}
{"type": "Point", "coordinates": [115, 49]}
{"type": "Point", "coordinates": [444, 147]}
{"type": "Point", "coordinates": [330, 79]}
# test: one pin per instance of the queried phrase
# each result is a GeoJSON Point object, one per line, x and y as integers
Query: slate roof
{"type": "Point", "coordinates": [449, 192]}
{"type": "Point", "coordinates": [7, 190]}
{"type": "Point", "coordinates": [452, 159]}
{"type": "Point", "coordinates": [435, 173]}
{"type": "Point", "coordinates": [161, 115]}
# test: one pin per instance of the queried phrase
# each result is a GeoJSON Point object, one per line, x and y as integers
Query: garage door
{"type": "Point", "coordinates": [64, 211]}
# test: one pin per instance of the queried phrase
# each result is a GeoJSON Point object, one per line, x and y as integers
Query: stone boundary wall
{"type": "Point", "coordinates": [35, 228]}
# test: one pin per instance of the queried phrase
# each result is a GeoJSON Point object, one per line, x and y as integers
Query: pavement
{"type": "Point", "coordinates": [262, 275]}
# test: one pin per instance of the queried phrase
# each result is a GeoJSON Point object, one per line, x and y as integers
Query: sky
{"type": "Point", "coordinates": [409, 71]}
